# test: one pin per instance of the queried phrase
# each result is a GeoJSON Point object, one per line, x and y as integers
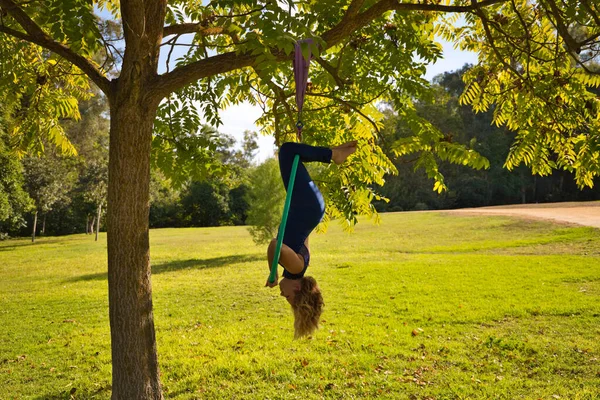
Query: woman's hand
{"type": "Point", "coordinates": [275, 283]}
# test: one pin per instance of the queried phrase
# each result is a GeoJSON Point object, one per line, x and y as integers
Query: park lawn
{"type": "Point", "coordinates": [422, 306]}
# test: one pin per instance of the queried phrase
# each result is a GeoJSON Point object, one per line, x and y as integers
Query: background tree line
{"type": "Point", "coordinates": [58, 194]}
{"type": "Point", "coordinates": [63, 194]}
{"type": "Point", "coordinates": [410, 189]}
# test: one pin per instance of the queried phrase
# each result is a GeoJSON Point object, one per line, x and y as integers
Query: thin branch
{"type": "Point", "coordinates": [209, 46]}
{"type": "Point", "coordinates": [354, 8]}
{"type": "Point", "coordinates": [37, 36]}
{"type": "Point", "coordinates": [181, 29]}
{"type": "Point", "coordinates": [591, 11]}
{"type": "Point", "coordinates": [171, 52]}
{"type": "Point", "coordinates": [193, 27]}
{"type": "Point", "coordinates": [562, 29]}
{"type": "Point", "coordinates": [350, 105]}
{"type": "Point", "coordinates": [527, 35]}
{"type": "Point", "coordinates": [281, 96]}
{"type": "Point", "coordinates": [573, 47]}
{"type": "Point", "coordinates": [277, 125]}
{"type": "Point", "coordinates": [589, 40]}
{"type": "Point", "coordinates": [333, 72]}
{"type": "Point", "coordinates": [492, 42]}
{"type": "Point", "coordinates": [242, 14]}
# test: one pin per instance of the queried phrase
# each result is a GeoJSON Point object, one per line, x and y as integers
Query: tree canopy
{"type": "Point", "coordinates": [537, 70]}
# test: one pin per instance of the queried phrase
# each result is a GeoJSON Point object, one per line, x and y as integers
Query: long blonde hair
{"type": "Point", "coordinates": [307, 307]}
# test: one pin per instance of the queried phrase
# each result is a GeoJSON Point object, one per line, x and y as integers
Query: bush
{"type": "Point", "coordinates": [265, 197]}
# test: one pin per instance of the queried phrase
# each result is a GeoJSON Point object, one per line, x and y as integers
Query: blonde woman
{"type": "Point", "coordinates": [306, 211]}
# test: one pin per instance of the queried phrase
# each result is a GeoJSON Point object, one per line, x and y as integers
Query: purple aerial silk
{"type": "Point", "coordinates": [301, 65]}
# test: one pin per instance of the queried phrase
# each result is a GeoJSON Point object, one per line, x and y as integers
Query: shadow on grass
{"type": "Point", "coordinates": [179, 265]}
{"type": "Point", "coordinates": [74, 393]}
{"type": "Point", "coordinates": [41, 241]}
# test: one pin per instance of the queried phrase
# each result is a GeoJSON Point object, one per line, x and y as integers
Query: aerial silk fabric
{"type": "Point", "coordinates": [301, 65]}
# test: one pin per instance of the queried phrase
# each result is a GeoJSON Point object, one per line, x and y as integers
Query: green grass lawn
{"type": "Point", "coordinates": [423, 306]}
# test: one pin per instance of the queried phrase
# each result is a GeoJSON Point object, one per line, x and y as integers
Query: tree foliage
{"type": "Point", "coordinates": [466, 187]}
{"type": "Point", "coordinates": [14, 201]}
{"type": "Point", "coordinates": [538, 71]}
{"type": "Point", "coordinates": [48, 181]}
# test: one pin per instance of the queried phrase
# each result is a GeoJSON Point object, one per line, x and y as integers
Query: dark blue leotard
{"type": "Point", "coordinates": [307, 207]}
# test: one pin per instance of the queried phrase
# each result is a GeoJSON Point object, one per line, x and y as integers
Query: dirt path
{"type": "Point", "coordinates": [580, 213]}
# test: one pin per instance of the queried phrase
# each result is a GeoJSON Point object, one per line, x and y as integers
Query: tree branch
{"type": "Point", "coordinates": [591, 11]}
{"type": "Point", "coordinates": [350, 105]}
{"type": "Point", "coordinates": [226, 62]}
{"type": "Point", "coordinates": [332, 71]}
{"type": "Point", "coordinates": [354, 8]}
{"type": "Point", "coordinates": [589, 40]}
{"type": "Point", "coordinates": [562, 29]}
{"type": "Point", "coordinates": [37, 36]}
{"type": "Point", "coordinates": [182, 29]}
{"type": "Point", "coordinates": [281, 97]}
{"type": "Point", "coordinates": [193, 27]}
{"type": "Point", "coordinates": [492, 43]}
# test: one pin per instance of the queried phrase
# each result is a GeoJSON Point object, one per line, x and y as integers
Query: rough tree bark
{"type": "Point", "coordinates": [134, 357]}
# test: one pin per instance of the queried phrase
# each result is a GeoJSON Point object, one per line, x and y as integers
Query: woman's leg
{"type": "Point", "coordinates": [307, 153]}
{"type": "Point", "coordinates": [307, 206]}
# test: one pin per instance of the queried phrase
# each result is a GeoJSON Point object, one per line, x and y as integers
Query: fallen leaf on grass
{"type": "Point", "coordinates": [416, 332]}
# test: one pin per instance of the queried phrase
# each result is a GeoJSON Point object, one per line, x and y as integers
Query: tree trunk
{"type": "Point", "coordinates": [34, 227]}
{"type": "Point", "coordinates": [44, 225]}
{"type": "Point", "coordinates": [87, 224]}
{"type": "Point", "coordinates": [133, 106]}
{"type": "Point", "coordinates": [98, 220]}
{"type": "Point", "coordinates": [92, 225]}
{"type": "Point", "coordinates": [134, 356]}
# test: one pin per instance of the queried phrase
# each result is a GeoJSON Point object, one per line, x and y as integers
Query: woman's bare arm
{"type": "Point", "coordinates": [291, 261]}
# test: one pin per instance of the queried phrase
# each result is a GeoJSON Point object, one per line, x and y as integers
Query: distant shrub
{"type": "Point", "coordinates": [420, 207]}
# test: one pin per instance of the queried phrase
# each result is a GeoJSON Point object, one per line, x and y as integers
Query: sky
{"type": "Point", "coordinates": [239, 118]}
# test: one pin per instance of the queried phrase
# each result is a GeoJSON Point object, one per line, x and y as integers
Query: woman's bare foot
{"type": "Point", "coordinates": [341, 152]}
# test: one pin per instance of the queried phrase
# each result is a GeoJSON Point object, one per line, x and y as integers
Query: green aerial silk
{"type": "Point", "coordinates": [286, 209]}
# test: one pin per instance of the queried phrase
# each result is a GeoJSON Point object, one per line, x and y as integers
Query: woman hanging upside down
{"type": "Point", "coordinates": [306, 211]}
